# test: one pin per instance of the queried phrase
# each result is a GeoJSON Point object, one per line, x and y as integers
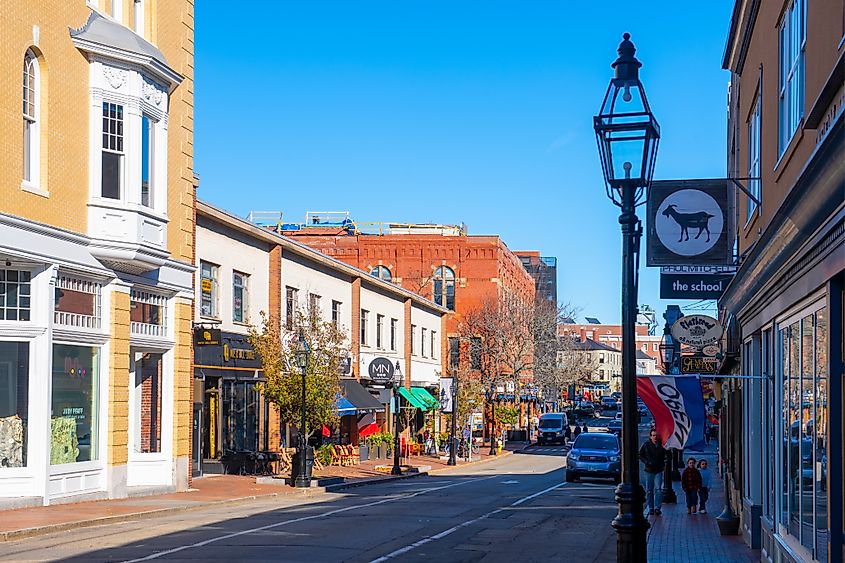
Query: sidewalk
{"type": "Point", "coordinates": [206, 491]}
{"type": "Point", "coordinates": [677, 536]}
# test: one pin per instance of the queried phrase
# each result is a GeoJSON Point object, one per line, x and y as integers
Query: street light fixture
{"type": "Point", "coordinates": [397, 382]}
{"type": "Point", "coordinates": [667, 351]}
{"type": "Point", "coordinates": [627, 135]}
{"type": "Point", "coordinates": [667, 355]}
{"type": "Point", "coordinates": [302, 353]}
{"type": "Point", "coordinates": [453, 460]}
{"type": "Point", "coordinates": [493, 450]}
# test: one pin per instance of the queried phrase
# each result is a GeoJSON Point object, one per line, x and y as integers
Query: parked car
{"type": "Point", "coordinates": [615, 426]}
{"type": "Point", "coordinates": [598, 424]}
{"type": "Point", "coordinates": [551, 428]}
{"type": "Point", "coordinates": [609, 403]}
{"type": "Point", "coordinates": [594, 454]}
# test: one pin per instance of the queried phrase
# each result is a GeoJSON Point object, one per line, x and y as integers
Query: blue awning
{"type": "Point", "coordinates": [344, 407]}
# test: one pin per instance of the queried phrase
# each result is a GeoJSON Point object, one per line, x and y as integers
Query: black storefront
{"type": "Point", "coordinates": [230, 414]}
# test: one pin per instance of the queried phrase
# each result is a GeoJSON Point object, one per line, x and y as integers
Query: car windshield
{"type": "Point", "coordinates": [595, 442]}
{"type": "Point", "coordinates": [550, 423]}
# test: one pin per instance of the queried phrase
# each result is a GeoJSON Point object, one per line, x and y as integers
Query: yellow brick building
{"type": "Point", "coordinates": [97, 195]}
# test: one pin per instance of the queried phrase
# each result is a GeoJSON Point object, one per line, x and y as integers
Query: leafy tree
{"type": "Point", "coordinates": [277, 346]}
{"type": "Point", "coordinates": [508, 415]}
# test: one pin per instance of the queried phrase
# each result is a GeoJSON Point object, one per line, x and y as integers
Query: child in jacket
{"type": "Point", "coordinates": [704, 492]}
{"type": "Point", "coordinates": [691, 484]}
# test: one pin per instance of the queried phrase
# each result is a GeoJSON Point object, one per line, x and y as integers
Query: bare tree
{"type": "Point", "coordinates": [558, 361]}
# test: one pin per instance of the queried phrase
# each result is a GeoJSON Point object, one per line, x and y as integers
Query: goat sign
{"type": "Point", "coordinates": [687, 222]}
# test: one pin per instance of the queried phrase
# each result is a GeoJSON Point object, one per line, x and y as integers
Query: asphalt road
{"type": "Point", "coordinates": [517, 508]}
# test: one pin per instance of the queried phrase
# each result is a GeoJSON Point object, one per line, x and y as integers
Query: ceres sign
{"type": "Point", "coordinates": [697, 331]}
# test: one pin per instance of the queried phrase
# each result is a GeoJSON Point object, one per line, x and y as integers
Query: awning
{"type": "Point", "coordinates": [412, 399]}
{"type": "Point", "coordinates": [344, 407]}
{"type": "Point", "coordinates": [359, 397]}
{"type": "Point", "coordinates": [425, 397]}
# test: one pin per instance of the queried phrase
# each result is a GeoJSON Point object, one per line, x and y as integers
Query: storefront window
{"type": "Point", "coordinates": [75, 404]}
{"type": "Point", "coordinates": [240, 416]}
{"type": "Point", "coordinates": [14, 403]}
{"type": "Point", "coordinates": [14, 295]}
{"type": "Point", "coordinates": [148, 388]}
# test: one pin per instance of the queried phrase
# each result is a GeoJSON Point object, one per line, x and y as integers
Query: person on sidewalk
{"type": "Point", "coordinates": [704, 492]}
{"type": "Point", "coordinates": [567, 433]}
{"type": "Point", "coordinates": [577, 432]}
{"type": "Point", "coordinates": [691, 484]}
{"type": "Point", "coordinates": [653, 455]}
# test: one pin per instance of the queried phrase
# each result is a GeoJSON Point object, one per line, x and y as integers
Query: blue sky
{"type": "Point", "coordinates": [450, 112]}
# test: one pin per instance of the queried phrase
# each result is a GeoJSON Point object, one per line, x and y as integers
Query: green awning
{"type": "Point", "coordinates": [412, 399]}
{"type": "Point", "coordinates": [424, 396]}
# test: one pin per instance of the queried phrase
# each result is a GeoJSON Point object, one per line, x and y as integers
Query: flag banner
{"type": "Point", "coordinates": [367, 425]}
{"type": "Point", "coordinates": [677, 405]}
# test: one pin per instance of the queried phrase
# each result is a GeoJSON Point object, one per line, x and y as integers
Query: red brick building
{"type": "Point", "coordinates": [611, 335]}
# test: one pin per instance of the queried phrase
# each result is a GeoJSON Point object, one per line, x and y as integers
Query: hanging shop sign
{"type": "Point", "coordinates": [697, 331]}
{"type": "Point", "coordinates": [207, 336]}
{"type": "Point", "coordinates": [689, 222]}
{"type": "Point", "coordinates": [381, 370]}
{"type": "Point", "coordinates": [699, 364]}
{"type": "Point", "coordinates": [712, 350]}
{"type": "Point", "coordinates": [694, 282]}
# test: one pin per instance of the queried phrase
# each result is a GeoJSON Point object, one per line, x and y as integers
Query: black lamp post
{"type": "Point", "coordinates": [453, 453]}
{"type": "Point", "coordinates": [397, 383]}
{"type": "Point", "coordinates": [493, 450]}
{"type": "Point", "coordinates": [628, 134]}
{"type": "Point", "coordinates": [302, 353]}
{"type": "Point", "coordinates": [667, 356]}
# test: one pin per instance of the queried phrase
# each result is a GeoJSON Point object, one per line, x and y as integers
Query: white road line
{"type": "Point", "coordinates": [453, 529]}
{"type": "Point", "coordinates": [302, 519]}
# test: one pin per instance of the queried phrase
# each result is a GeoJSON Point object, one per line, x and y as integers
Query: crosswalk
{"type": "Point", "coordinates": [549, 449]}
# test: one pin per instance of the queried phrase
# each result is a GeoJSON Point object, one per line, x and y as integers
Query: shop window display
{"type": "Point", "coordinates": [14, 403]}
{"type": "Point", "coordinates": [75, 406]}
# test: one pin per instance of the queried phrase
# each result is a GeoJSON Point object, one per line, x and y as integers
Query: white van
{"type": "Point", "coordinates": [552, 428]}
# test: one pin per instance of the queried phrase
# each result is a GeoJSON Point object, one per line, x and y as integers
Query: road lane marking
{"type": "Point", "coordinates": [301, 519]}
{"type": "Point", "coordinates": [453, 529]}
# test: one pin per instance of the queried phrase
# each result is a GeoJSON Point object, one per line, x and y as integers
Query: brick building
{"type": "Point", "coordinates": [544, 271]}
{"type": "Point", "coordinates": [96, 248]}
{"type": "Point", "coordinates": [611, 335]}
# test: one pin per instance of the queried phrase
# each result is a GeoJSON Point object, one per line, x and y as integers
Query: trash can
{"type": "Point", "coordinates": [297, 464]}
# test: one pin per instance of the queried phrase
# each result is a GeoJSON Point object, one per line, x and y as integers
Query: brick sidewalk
{"type": "Point", "coordinates": [677, 536]}
{"type": "Point", "coordinates": [209, 490]}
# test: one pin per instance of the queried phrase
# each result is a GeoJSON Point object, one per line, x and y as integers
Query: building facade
{"type": "Point", "coordinates": [544, 271]}
{"type": "Point", "coordinates": [611, 335]}
{"type": "Point", "coordinates": [782, 424]}
{"type": "Point", "coordinates": [96, 249]}
{"type": "Point", "coordinates": [244, 270]}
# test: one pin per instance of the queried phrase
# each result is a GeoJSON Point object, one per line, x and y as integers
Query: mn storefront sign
{"type": "Point", "coordinates": [697, 331]}
{"type": "Point", "coordinates": [689, 222]}
{"type": "Point", "coordinates": [381, 370]}
{"type": "Point", "coordinates": [699, 364]}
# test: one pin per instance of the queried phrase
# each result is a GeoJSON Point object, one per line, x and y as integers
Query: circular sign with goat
{"type": "Point", "coordinates": [697, 331]}
{"type": "Point", "coordinates": [689, 222]}
{"type": "Point", "coordinates": [381, 370]}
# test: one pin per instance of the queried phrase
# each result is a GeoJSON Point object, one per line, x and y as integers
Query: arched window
{"type": "Point", "coordinates": [381, 272]}
{"type": "Point", "coordinates": [444, 287]}
{"type": "Point", "coordinates": [31, 114]}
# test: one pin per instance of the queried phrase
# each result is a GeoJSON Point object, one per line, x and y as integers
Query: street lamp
{"type": "Point", "coordinates": [397, 382]}
{"type": "Point", "coordinates": [302, 352]}
{"type": "Point", "coordinates": [667, 356]}
{"type": "Point", "coordinates": [627, 135]}
{"type": "Point", "coordinates": [493, 450]}
{"type": "Point", "coordinates": [667, 351]}
{"type": "Point", "coordinates": [452, 446]}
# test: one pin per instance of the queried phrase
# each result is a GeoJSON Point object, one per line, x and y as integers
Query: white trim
{"type": "Point", "coordinates": [146, 62]}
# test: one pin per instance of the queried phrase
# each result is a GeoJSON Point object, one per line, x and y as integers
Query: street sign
{"type": "Point", "coordinates": [689, 223]}
{"type": "Point", "coordinates": [381, 370]}
{"type": "Point", "coordinates": [697, 331]}
{"type": "Point", "coordinates": [699, 364]}
{"type": "Point", "coordinates": [693, 286]}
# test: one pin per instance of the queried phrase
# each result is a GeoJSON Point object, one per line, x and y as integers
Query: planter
{"type": "Point", "coordinates": [296, 478]}
{"type": "Point", "coordinates": [364, 452]}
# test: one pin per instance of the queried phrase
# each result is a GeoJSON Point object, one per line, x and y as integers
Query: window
{"type": "Point", "coordinates": [15, 295]}
{"type": "Point", "coordinates": [381, 272]}
{"type": "Point", "coordinates": [147, 314]}
{"type": "Point", "coordinates": [434, 344]}
{"type": "Point", "coordinates": [290, 307]}
{"type": "Point", "coordinates": [754, 125]}
{"type": "Point", "coordinates": [75, 406]}
{"type": "Point", "coordinates": [475, 352]}
{"type": "Point", "coordinates": [601, 357]}
{"type": "Point", "coordinates": [801, 500]}
{"type": "Point", "coordinates": [14, 401]}
{"type": "Point", "coordinates": [413, 339]}
{"type": "Point", "coordinates": [654, 347]}
{"type": "Point", "coordinates": [423, 334]}
{"type": "Point", "coordinates": [394, 324]}
{"type": "Point", "coordinates": [364, 318]}
{"type": "Point", "coordinates": [444, 287]}
{"type": "Point", "coordinates": [77, 302]}
{"type": "Point", "coordinates": [112, 157]}
{"type": "Point", "coordinates": [335, 313]}
{"type": "Point", "coordinates": [792, 35]}
{"type": "Point", "coordinates": [454, 352]}
{"type": "Point", "coordinates": [148, 390]}
{"type": "Point", "coordinates": [379, 327]}
{"type": "Point", "coordinates": [138, 17]}
{"type": "Point", "coordinates": [313, 308]}
{"type": "Point", "coordinates": [240, 297]}
{"type": "Point", "coordinates": [31, 119]}
{"type": "Point", "coordinates": [208, 289]}
{"type": "Point", "coordinates": [147, 160]}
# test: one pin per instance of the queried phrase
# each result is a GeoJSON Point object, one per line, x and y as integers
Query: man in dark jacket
{"type": "Point", "coordinates": [653, 455]}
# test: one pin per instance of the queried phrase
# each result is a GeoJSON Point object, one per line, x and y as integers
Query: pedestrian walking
{"type": "Point", "coordinates": [691, 484]}
{"type": "Point", "coordinates": [653, 455]}
{"type": "Point", "coordinates": [585, 429]}
{"type": "Point", "coordinates": [704, 491]}
{"type": "Point", "coordinates": [577, 432]}
{"type": "Point", "coordinates": [567, 433]}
